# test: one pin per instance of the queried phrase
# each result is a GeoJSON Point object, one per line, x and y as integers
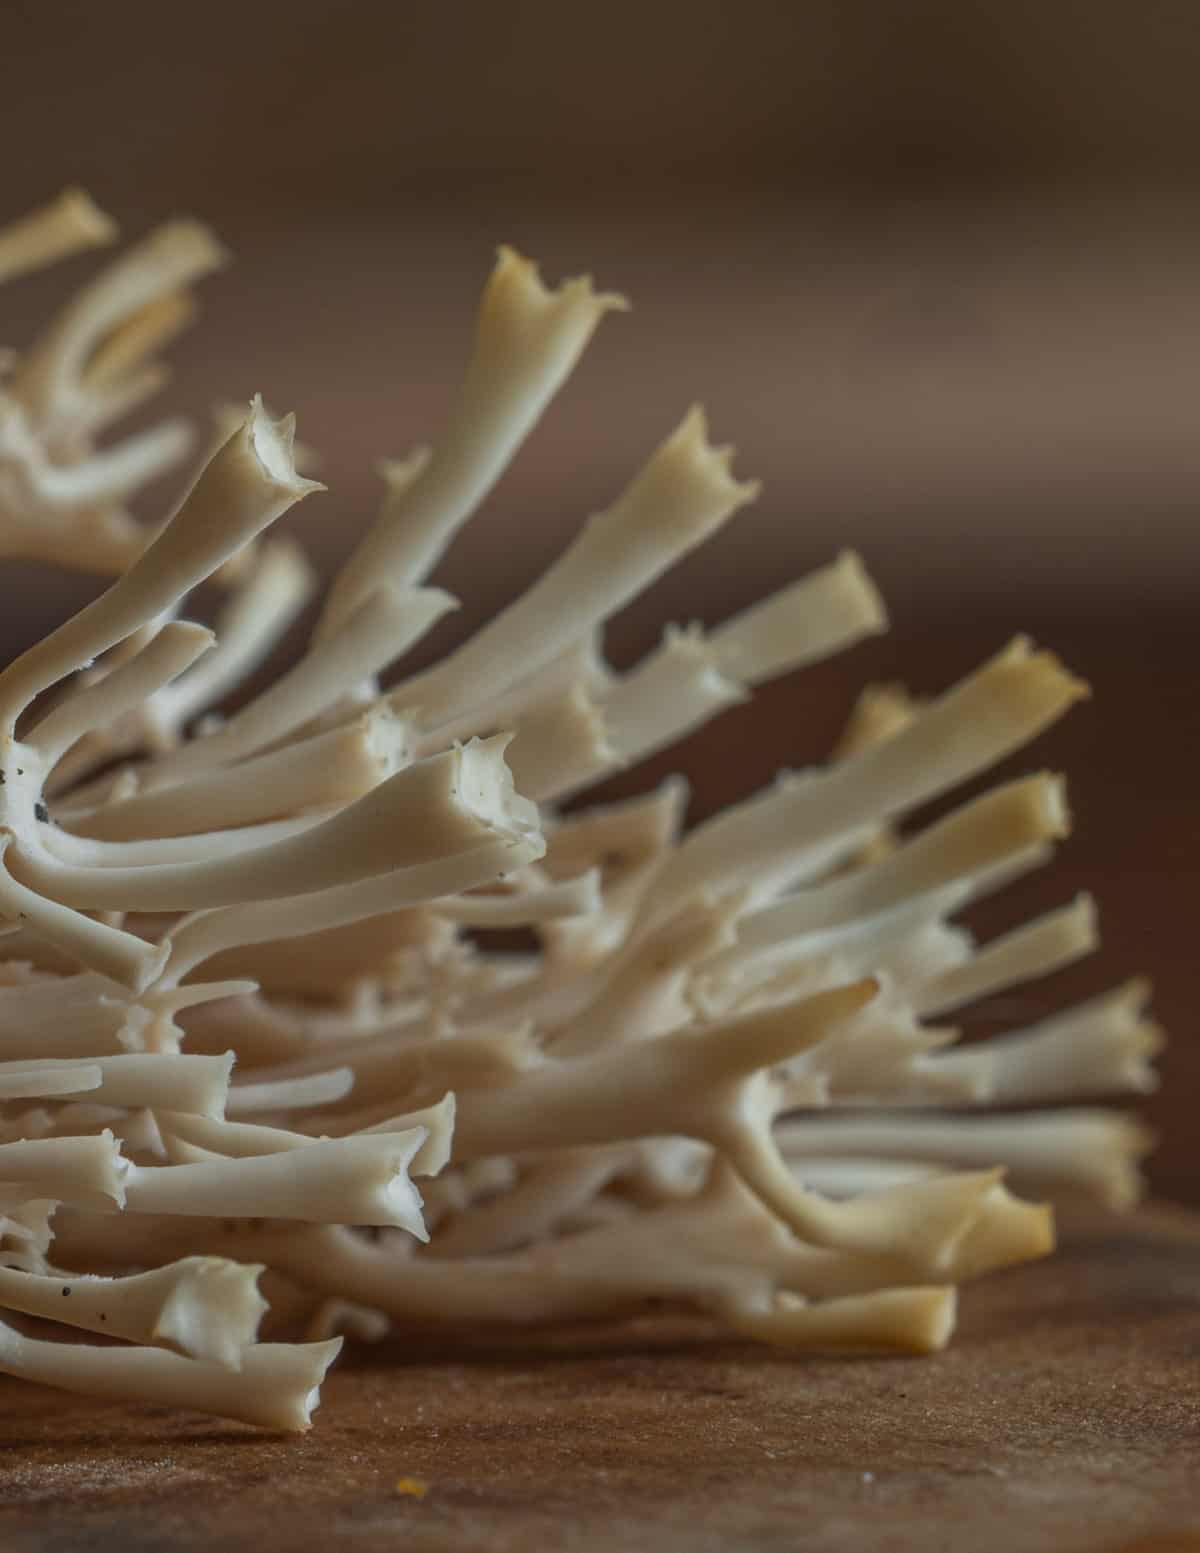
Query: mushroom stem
{"type": "Point", "coordinates": [68, 225]}
{"type": "Point", "coordinates": [527, 341]}
{"type": "Point", "coordinates": [277, 1386]}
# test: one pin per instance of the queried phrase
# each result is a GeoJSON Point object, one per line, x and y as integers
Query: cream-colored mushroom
{"type": "Point", "coordinates": [256, 965]}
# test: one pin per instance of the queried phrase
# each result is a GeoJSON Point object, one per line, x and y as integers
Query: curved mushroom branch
{"type": "Point", "coordinates": [70, 224]}
{"type": "Point", "coordinates": [63, 499]}
{"type": "Point", "coordinates": [527, 341]}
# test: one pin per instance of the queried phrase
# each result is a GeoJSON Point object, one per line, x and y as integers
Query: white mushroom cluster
{"type": "Point", "coordinates": [250, 979]}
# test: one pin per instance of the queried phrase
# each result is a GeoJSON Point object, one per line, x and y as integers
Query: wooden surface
{"type": "Point", "coordinates": [1065, 1416]}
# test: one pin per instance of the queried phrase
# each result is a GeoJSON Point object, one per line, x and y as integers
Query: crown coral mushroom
{"type": "Point", "coordinates": [246, 991]}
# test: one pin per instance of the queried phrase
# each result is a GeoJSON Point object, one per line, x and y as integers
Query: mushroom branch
{"type": "Point", "coordinates": [68, 225]}
{"type": "Point", "coordinates": [63, 498]}
{"type": "Point", "coordinates": [528, 339]}
{"type": "Point", "coordinates": [274, 952]}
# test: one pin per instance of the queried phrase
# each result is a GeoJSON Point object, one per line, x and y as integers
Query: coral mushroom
{"type": "Point", "coordinates": [247, 989]}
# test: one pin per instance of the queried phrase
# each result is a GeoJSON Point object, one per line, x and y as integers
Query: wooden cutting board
{"type": "Point", "coordinates": [1065, 1416]}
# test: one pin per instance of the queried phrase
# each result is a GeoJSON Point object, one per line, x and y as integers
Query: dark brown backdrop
{"type": "Point", "coordinates": [933, 267]}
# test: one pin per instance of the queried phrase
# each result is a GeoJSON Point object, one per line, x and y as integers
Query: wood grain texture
{"type": "Point", "coordinates": [1065, 1416]}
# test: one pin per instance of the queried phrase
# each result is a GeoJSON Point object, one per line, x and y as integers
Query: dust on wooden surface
{"type": "Point", "coordinates": [1065, 1416]}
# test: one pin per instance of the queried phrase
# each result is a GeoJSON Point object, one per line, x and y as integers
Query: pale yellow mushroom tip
{"type": "Point", "coordinates": [932, 1317]}
{"type": "Point", "coordinates": [272, 443]}
{"type": "Point", "coordinates": [1042, 1231]}
{"type": "Point", "coordinates": [196, 242]}
{"type": "Point", "coordinates": [510, 259]}
{"type": "Point", "coordinates": [324, 1354]}
{"type": "Point", "coordinates": [1018, 649]}
{"type": "Point", "coordinates": [1052, 796]}
{"type": "Point", "coordinates": [1088, 909]}
{"type": "Point", "coordinates": [1010, 1231]}
{"type": "Point", "coordinates": [516, 276]}
{"type": "Point", "coordinates": [1150, 1040]}
{"type": "Point", "coordinates": [1046, 671]}
{"type": "Point", "coordinates": [860, 993]}
{"type": "Point", "coordinates": [581, 289]}
{"type": "Point", "coordinates": [613, 302]}
{"type": "Point", "coordinates": [854, 576]}
{"type": "Point", "coordinates": [399, 473]}
{"type": "Point", "coordinates": [690, 443]}
{"type": "Point", "coordinates": [95, 225]}
{"type": "Point", "coordinates": [1074, 688]}
{"type": "Point", "coordinates": [693, 428]}
{"type": "Point", "coordinates": [939, 1319]}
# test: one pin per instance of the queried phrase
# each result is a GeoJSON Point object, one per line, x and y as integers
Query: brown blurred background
{"type": "Point", "coordinates": [933, 266]}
